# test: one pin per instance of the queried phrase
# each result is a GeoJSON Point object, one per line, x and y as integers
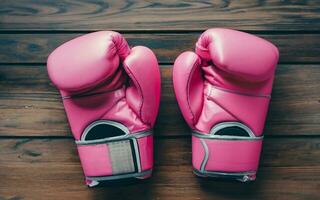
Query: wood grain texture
{"type": "Point", "coordinates": [38, 158]}
{"type": "Point", "coordinates": [49, 168]}
{"type": "Point", "coordinates": [35, 48]}
{"type": "Point", "coordinates": [160, 15]}
{"type": "Point", "coordinates": [31, 106]}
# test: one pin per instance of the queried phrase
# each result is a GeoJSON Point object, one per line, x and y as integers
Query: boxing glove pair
{"type": "Point", "coordinates": [111, 95]}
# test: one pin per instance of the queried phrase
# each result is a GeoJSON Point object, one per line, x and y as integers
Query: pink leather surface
{"type": "Point", "coordinates": [101, 78]}
{"type": "Point", "coordinates": [146, 152]}
{"type": "Point", "coordinates": [83, 111]}
{"type": "Point", "coordinates": [241, 54]}
{"type": "Point", "coordinates": [70, 61]}
{"type": "Point", "coordinates": [188, 86]}
{"type": "Point", "coordinates": [221, 79]}
{"type": "Point", "coordinates": [231, 75]}
{"type": "Point", "coordinates": [228, 155]}
{"type": "Point", "coordinates": [95, 160]}
{"type": "Point", "coordinates": [197, 153]}
{"type": "Point", "coordinates": [222, 106]}
{"type": "Point", "coordinates": [143, 94]}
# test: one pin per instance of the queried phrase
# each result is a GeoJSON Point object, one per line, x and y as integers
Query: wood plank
{"type": "Point", "coordinates": [30, 168]}
{"type": "Point", "coordinates": [31, 106]}
{"type": "Point", "coordinates": [35, 48]}
{"type": "Point", "coordinates": [165, 15]}
{"type": "Point", "coordinates": [176, 183]}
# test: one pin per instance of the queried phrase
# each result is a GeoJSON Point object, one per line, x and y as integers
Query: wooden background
{"type": "Point", "coordinates": [38, 159]}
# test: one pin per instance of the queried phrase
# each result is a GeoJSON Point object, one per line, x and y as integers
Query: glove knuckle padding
{"type": "Point", "coordinates": [245, 56]}
{"type": "Point", "coordinates": [76, 58]}
{"type": "Point", "coordinates": [232, 74]}
{"type": "Point", "coordinates": [111, 95]}
{"type": "Point", "coordinates": [188, 86]}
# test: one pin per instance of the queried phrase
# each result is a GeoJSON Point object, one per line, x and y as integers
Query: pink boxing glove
{"type": "Point", "coordinates": [223, 91]}
{"type": "Point", "coordinates": [111, 95]}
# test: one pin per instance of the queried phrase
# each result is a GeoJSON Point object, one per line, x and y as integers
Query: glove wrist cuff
{"type": "Point", "coordinates": [117, 157]}
{"type": "Point", "coordinates": [227, 156]}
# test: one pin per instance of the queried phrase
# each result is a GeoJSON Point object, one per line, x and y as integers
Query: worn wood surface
{"type": "Point", "coordinates": [268, 15]}
{"type": "Point", "coordinates": [38, 159]}
{"type": "Point", "coordinates": [34, 48]}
